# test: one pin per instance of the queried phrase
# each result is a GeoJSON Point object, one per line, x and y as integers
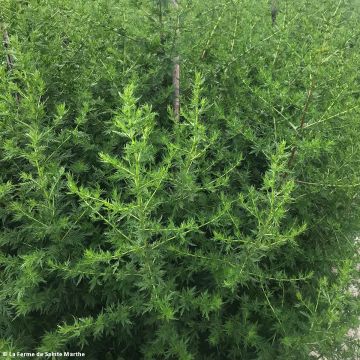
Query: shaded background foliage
{"type": "Point", "coordinates": [225, 235]}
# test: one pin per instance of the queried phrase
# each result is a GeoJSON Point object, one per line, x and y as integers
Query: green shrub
{"type": "Point", "coordinates": [228, 234]}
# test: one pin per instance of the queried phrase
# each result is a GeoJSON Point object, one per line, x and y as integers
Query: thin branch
{"type": "Point", "coordinates": [234, 35]}
{"type": "Point", "coordinates": [337, 8]}
{"type": "Point", "coordinates": [331, 117]}
{"type": "Point", "coordinates": [302, 121]}
{"type": "Point", "coordinates": [306, 107]}
{"type": "Point", "coordinates": [212, 34]}
{"type": "Point", "coordinates": [327, 185]}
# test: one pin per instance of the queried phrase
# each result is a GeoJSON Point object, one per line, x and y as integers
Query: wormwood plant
{"type": "Point", "coordinates": [226, 233]}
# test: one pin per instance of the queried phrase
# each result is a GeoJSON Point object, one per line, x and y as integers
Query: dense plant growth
{"type": "Point", "coordinates": [226, 233]}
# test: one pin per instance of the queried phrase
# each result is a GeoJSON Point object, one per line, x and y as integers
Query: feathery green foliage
{"type": "Point", "coordinates": [228, 234]}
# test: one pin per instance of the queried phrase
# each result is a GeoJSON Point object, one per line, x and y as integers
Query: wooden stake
{"type": "Point", "coordinates": [9, 58]}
